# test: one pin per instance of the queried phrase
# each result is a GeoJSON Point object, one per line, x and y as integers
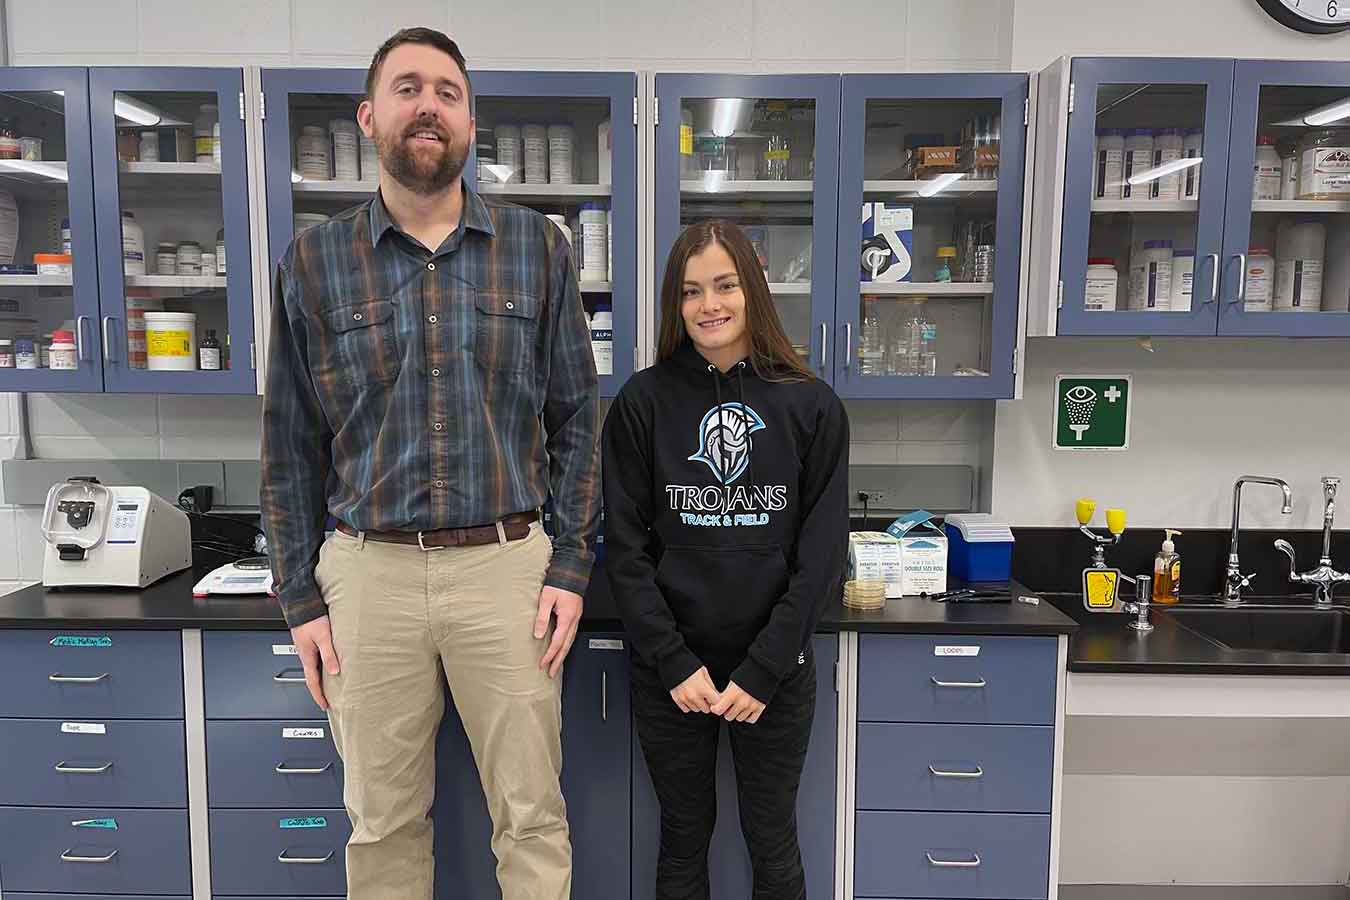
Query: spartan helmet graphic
{"type": "Point", "coordinates": [725, 445]}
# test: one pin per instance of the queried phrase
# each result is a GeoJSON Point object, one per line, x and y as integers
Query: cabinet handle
{"type": "Point", "coordinates": [76, 679]}
{"type": "Point", "coordinates": [282, 678]}
{"type": "Point", "coordinates": [304, 860]}
{"type": "Point", "coordinates": [604, 696]}
{"type": "Point", "coordinates": [979, 683]}
{"type": "Point", "coordinates": [824, 345]}
{"type": "Point", "coordinates": [107, 340]}
{"type": "Point", "coordinates": [67, 857]}
{"type": "Point", "coordinates": [66, 768]}
{"type": "Point", "coordinates": [1214, 283]}
{"type": "Point", "coordinates": [79, 338]}
{"type": "Point", "coordinates": [283, 769]}
{"type": "Point", "coordinates": [973, 863]}
{"type": "Point", "coordinates": [848, 345]}
{"type": "Point", "coordinates": [1242, 278]}
{"type": "Point", "coordinates": [946, 773]}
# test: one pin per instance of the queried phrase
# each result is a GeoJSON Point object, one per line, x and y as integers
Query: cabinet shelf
{"type": "Point", "coordinates": [51, 173]}
{"type": "Point", "coordinates": [539, 193]}
{"type": "Point", "coordinates": [36, 281]}
{"type": "Point", "coordinates": [176, 281]}
{"type": "Point", "coordinates": [596, 287]}
{"type": "Point", "coordinates": [147, 175]}
{"type": "Point", "coordinates": [1301, 206]}
{"type": "Point", "coordinates": [790, 288]}
{"type": "Point", "coordinates": [762, 190]}
{"type": "Point", "coordinates": [910, 190]}
{"type": "Point", "coordinates": [928, 289]}
{"type": "Point", "coordinates": [1146, 206]}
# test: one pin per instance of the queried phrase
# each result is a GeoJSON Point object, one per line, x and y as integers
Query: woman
{"type": "Point", "coordinates": [726, 528]}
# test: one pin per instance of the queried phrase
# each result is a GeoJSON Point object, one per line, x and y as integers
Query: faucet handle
{"type": "Point", "coordinates": [1288, 550]}
{"type": "Point", "coordinates": [1329, 485]}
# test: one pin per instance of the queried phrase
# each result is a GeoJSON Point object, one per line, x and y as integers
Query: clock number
{"type": "Point", "coordinates": [1331, 9]}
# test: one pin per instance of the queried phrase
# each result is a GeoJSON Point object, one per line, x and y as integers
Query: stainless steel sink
{"type": "Point", "coordinates": [1265, 628]}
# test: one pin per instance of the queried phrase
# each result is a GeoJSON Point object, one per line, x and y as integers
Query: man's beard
{"type": "Point", "coordinates": [422, 175]}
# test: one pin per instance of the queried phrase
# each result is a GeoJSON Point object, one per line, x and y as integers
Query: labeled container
{"type": "Point", "coordinates": [346, 149]}
{"type": "Point", "coordinates": [25, 352]}
{"type": "Point", "coordinates": [65, 236]}
{"type": "Point", "coordinates": [1266, 170]}
{"type": "Point", "coordinates": [1302, 247]}
{"type": "Point", "coordinates": [166, 258]}
{"type": "Point", "coordinates": [534, 138]}
{"type": "Point", "coordinates": [1103, 285]}
{"type": "Point", "coordinates": [485, 155]}
{"type": "Point", "coordinates": [561, 222]}
{"type": "Point", "coordinates": [1183, 277]}
{"type": "Point", "coordinates": [208, 263]}
{"type": "Point", "coordinates": [1138, 158]}
{"type": "Point", "coordinates": [1288, 151]}
{"type": "Point", "coordinates": [62, 354]}
{"type": "Point", "coordinates": [1192, 147]}
{"type": "Point", "coordinates": [171, 341]}
{"type": "Point", "coordinates": [9, 140]}
{"type": "Point", "coordinates": [594, 257]}
{"type": "Point", "coordinates": [220, 252]}
{"type": "Point", "coordinates": [562, 141]}
{"type": "Point", "coordinates": [30, 148]}
{"type": "Point", "coordinates": [979, 547]}
{"type": "Point", "coordinates": [149, 146]}
{"type": "Point", "coordinates": [510, 155]}
{"type": "Point", "coordinates": [1260, 289]}
{"type": "Point", "coordinates": [133, 245]}
{"type": "Point", "coordinates": [189, 258]}
{"type": "Point", "coordinates": [1151, 277]}
{"type": "Point", "coordinates": [312, 154]}
{"type": "Point", "coordinates": [209, 352]}
{"type": "Point", "coordinates": [604, 136]}
{"type": "Point", "coordinates": [6, 353]}
{"type": "Point", "coordinates": [370, 159]}
{"type": "Point", "coordinates": [1110, 163]}
{"type": "Point", "coordinates": [138, 302]}
{"type": "Point", "coordinates": [602, 339]}
{"type": "Point", "coordinates": [206, 134]}
{"type": "Point", "coordinates": [1167, 150]}
{"type": "Point", "coordinates": [1324, 165]}
{"type": "Point", "coordinates": [54, 264]}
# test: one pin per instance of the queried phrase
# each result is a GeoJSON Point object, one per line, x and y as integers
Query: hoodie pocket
{"type": "Point", "coordinates": [722, 596]}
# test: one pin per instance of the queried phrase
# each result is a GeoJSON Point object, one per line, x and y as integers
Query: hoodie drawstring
{"type": "Point", "coordinates": [721, 443]}
{"type": "Point", "coordinates": [745, 417]}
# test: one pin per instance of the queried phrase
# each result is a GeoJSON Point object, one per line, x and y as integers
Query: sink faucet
{"type": "Point", "coordinates": [1235, 581]}
{"type": "Point", "coordinates": [1324, 577]}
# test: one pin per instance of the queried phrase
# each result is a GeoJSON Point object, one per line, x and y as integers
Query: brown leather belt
{"type": "Point", "coordinates": [515, 526]}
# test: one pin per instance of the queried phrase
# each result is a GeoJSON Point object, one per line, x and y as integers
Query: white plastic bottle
{"type": "Point", "coordinates": [1138, 158]}
{"type": "Point", "coordinates": [1167, 148]}
{"type": "Point", "coordinates": [604, 139]}
{"type": "Point", "coordinates": [1151, 277]}
{"type": "Point", "coordinates": [561, 145]}
{"type": "Point", "coordinates": [133, 245]}
{"type": "Point", "coordinates": [510, 157]}
{"type": "Point", "coordinates": [1260, 280]}
{"type": "Point", "coordinates": [1102, 286]}
{"type": "Point", "coordinates": [602, 339]}
{"type": "Point", "coordinates": [1192, 143]}
{"type": "Point", "coordinates": [535, 141]}
{"type": "Point", "coordinates": [1302, 247]}
{"type": "Point", "coordinates": [1109, 164]}
{"type": "Point", "coordinates": [1266, 170]}
{"type": "Point", "coordinates": [1183, 277]}
{"type": "Point", "coordinates": [594, 256]}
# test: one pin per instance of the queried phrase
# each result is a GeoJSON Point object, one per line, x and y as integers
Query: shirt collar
{"type": "Point", "coordinates": [475, 216]}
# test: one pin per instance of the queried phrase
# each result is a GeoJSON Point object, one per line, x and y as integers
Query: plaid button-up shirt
{"type": "Point", "coordinates": [413, 390]}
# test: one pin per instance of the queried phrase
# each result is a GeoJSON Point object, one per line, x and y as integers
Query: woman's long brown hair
{"type": "Point", "coordinates": [771, 352]}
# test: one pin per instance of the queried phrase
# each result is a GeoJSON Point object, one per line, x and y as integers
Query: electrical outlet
{"type": "Point", "coordinates": [872, 498]}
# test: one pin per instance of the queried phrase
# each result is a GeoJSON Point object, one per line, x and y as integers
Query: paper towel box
{"type": "Point", "coordinates": [923, 553]}
{"type": "Point", "coordinates": [875, 556]}
{"type": "Point", "coordinates": [887, 242]}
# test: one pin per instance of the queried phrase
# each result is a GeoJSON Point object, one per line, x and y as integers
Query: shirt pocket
{"type": "Point", "coordinates": [506, 327]}
{"type": "Point", "coordinates": [365, 341]}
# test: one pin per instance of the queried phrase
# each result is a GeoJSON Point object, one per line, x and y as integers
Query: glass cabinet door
{"type": "Point", "coordinates": [758, 151]}
{"type": "Point", "coordinates": [1144, 196]}
{"type": "Point", "coordinates": [1287, 236]}
{"type": "Point", "coordinates": [48, 275]}
{"type": "Point", "coordinates": [176, 288]}
{"type": "Point", "coordinates": [931, 176]}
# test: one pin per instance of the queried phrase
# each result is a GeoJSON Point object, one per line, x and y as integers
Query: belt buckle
{"type": "Point", "coordinates": [425, 549]}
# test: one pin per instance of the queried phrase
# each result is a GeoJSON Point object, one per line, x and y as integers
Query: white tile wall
{"type": "Point", "coordinates": [73, 26]}
{"type": "Point", "coordinates": [321, 31]}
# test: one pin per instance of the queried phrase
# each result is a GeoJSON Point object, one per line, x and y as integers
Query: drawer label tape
{"type": "Point", "coordinates": [955, 650]}
{"type": "Point", "coordinates": [95, 823]}
{"type": "Point", "coordinates": [302, 732]}
{"type": "Point", "coordinates": [305, 822]}
{"type": "Point", "coordinates": [284, 650]}
{"type": "Point", "coordinates": [605, 644]}
{"type": "Point", "coordinates": [81, 640]}
{"type": "Point", "coordinates": [84, 728]}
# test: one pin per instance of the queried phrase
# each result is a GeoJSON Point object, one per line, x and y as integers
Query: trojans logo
{"type": "Point", "coordinates": [725, 445]}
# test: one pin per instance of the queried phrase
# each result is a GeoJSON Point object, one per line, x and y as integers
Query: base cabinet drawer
{"type": "Point", "coordinates": [957, 679]}
{"type": "Point", "coordinates": [955, 768]}
{"type": "Point", "coordinates": [279, 852]}
{"type": "Point", "coordinates": [95, 851]}
{"type": "Point", "coordinates": [961, 856]}
{"type": "Point", "coordinates": [254, 675]}
{"type": "Point", "coordinates": [115, 762]}
{"type": "Point", "coordinates": [266, 764]}
{"type": "Point", "coordinates": [14, 895]}
{"type": "Point", "coordinates": [78, 673]}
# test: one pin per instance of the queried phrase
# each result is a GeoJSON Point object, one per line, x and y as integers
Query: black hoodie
{"type": "Point", "coordinates": [726, 518]}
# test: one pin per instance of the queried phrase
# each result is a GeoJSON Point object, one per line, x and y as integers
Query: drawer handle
{"type": "Point", "coordinates": [979, 683]}
{"type": "Point", "coordinates": [76, 679]}
{"type": "Point", "coordinates": [282, 678]}
{"type": "Point", "coordinates": [304, 860]}
{"type": "Point", "coordinates": [283, 769]}
{"type": "Point", "coordinates": [953, 863]}
{"type": "Point", "coordinates": [947, 773]}
{"type": "Point", "coordinates": [66, 769]}
{"type": "Point", "coordinates": [67, 857]}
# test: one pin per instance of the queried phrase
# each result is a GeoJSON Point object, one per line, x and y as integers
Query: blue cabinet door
{"type": "Point", "coordinates": [1153, 211]}
{"type": "Point", "coordinates": [910, 322]}
{"type": "Point", "coordinates": [295, 98]}
{"type": "Point", "coordinates": [51, 104]}
{"type": "Point", "coordinates": [761, 151]}
{"type": "Point", "coordinates": [728, 861]}
{"type": "Point", "coordinates": [596, 780]}
{"type": "Point", "coordinates": [1308, 294]}
{"type": "Point", "coordinates": [192, 207]}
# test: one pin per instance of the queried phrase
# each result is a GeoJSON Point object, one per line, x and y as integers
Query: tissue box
{"type": "Point", "coordinates": [887, 242]}
{"type": "Point", "coordinates": [875, 556]}
{"type": "Point", "coordinates": [923, 553]}
{"type": "Point", "coordinates": [981, 547]}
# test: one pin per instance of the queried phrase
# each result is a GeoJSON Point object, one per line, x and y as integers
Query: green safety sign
{"type": "Point", "coordinates": [1092, 412]}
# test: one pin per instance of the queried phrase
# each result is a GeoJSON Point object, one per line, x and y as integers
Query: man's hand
{"type": "Point", "coordinates": [567, 607]}
{"type": "Point", "coordinates": [697, 693]}
{"type": "Point", "coordinates": [738, 706]}
{"type": "Point", "coordinates": [314, 644]}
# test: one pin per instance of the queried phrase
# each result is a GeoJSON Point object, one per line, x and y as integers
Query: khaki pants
{"type": "Point", "coordinates": [398, 616]}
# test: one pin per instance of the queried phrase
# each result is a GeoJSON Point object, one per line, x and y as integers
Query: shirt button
{"type": "Point", "coordinates": [432, 319]}
{"type": "Point", "coordinates": [438, 426]}
{"type": "Point", "coordinates": [439, 483]}
{"type": "Point", "coordinates": [510, 305]}
{"type": "Point", "coordinates": [357, 316]}
{"type": "Point", "coordinates": [431, 266]}
{"type": "Point", "coordinates": [436, 373]}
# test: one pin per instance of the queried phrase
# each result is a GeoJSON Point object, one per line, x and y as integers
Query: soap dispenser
{"type": "Point", "coordinates": [1167, 571]}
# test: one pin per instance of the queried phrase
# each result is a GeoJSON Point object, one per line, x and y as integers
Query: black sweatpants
{"type": "Point", "coordinates": [681, 753]}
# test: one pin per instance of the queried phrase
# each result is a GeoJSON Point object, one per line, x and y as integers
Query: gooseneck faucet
{"type": "Point", "coordinates": [1325, 577]}
{"type": "Point", "coordinates": [1235, 581]}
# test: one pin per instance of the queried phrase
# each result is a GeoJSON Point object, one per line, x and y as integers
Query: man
{"type": "Point", "coordinates": [430, 384]}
